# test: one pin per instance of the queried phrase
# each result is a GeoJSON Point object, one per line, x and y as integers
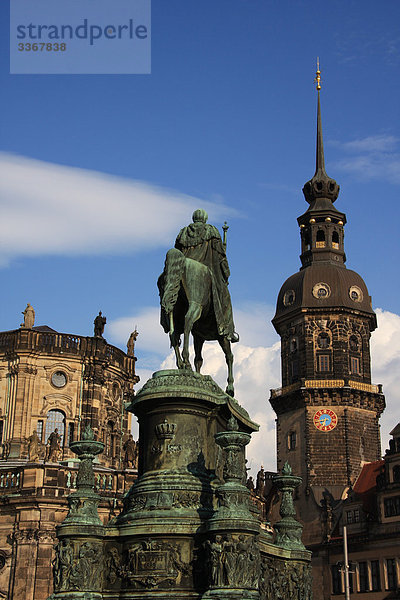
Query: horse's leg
{"type": "Point", "coordinates": [226, 347]}
{"type": "Point", "coordinates": [198, 346]}
{"type": "Point", "coordinates": [192, 315]}
{"type": "Point", "coordinates": [175, 340]}
{"type": "Point", "coordinates": [175, 343]}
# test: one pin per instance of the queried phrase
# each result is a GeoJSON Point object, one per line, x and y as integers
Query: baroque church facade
{"type": "Point", "coordinates": [51, 385]}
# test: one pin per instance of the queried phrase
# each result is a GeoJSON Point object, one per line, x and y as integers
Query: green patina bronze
{"type": "Point", "coordinates": [189, 528]}
{"type": "Point", "coordinates": [194, 294]}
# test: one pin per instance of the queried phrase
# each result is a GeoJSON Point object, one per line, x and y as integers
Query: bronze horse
{"type": "Point", "coordinates": [185, 289]}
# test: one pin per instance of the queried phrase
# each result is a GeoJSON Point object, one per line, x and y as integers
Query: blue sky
{"type": "Point", "coordinates": [99, 172]}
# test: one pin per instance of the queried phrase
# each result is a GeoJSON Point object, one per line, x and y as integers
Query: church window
{"type": "Point", "coordinates": [307, 243]}
{"type": "Point", "coordinates": [336, 579]}
{"type": "Point", "coordinates": [110, 441]}
{"type": "Point", "coordinates": [293, 345]}
{"type": "Point", "coordinates": [39, 430]}
{"type": "Point", "coordinates": [354, 365]}
{"type": "Point", "coordinates": [375, 576]}
{"type": "Point", "coordinates": [391, 574]}
{"type": "Point", "coordinates": [323, 340]}
{"type": "Point", "coordinates": [71, 429]}
{"type": "Point", "coordinates": [335, 240]}
{"type": "Point", "coordinates": [55, 420]}
{"type": "Point", "coordinates": [292, 440]}
{"type": "Point", "coordinates": [363, 583]}
{"type": "Point", "coordinates": [324, 362]}
{"type": "Point", "coordinates": [392, 506]}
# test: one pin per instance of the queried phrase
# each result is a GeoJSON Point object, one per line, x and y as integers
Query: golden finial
{"type": "Point", "coordinates": [317, 79]}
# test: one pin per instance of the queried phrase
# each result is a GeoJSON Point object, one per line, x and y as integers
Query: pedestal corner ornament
{"type": "Point", "coordinates": [325, 419]}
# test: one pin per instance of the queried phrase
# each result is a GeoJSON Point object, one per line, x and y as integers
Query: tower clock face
{"type": "Point", "coordinates": [325, 419]}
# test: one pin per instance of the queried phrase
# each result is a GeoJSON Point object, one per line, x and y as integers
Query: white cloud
{"type": "Point", "coordinates": [54, 209]}
{"type": "Point", "coordinates": [372, 157]}
{"type": "Point", "coordinates": [385, 361]}
{"type": "Point", "coordinates": [257, 367]}
{"type": "Point", "coordinates": [371, 143]}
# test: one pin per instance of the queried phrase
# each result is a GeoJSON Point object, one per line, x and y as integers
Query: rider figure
{"type": "Point", "coordinates": [202, 242]}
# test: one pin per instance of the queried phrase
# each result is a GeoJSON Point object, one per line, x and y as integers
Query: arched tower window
{"type": "Point", "coordinates": [323, 352]}
{"type": "Point", "coordinates": [323, 340]}
{"type": "Point", "coordinates": [320, 240]}
{"type": "Point", "coordinates": [55, 420]}
{"type": "Point", "coordinates": [335, 240]}
{"type": "Point", "coordinates": [355, 354]}
{"type": "Point", "coordinates": [307, 242]}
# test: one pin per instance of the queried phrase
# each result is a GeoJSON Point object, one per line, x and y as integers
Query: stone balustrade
{"type": "Point", "coordinates": [65, 343]}
{"type": "Point", "coordinates": [50, 476]}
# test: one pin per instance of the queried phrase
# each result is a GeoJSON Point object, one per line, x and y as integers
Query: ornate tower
{"type": "Point", "coordinates": [327, 409]}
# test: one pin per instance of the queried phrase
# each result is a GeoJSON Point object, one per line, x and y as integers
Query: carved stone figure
{"type": "Point", "coordinates": [250, 484]}
{"type": "Point", "coordinates": [33, 446]}
{"type": "Point", "coordinates": [260, 485]}
{"type": "Point", "coordinates": [113, 565]}
{"type": "Point", "coordinates": [194, 293]}
{"type": "Point", "coordinates": [131, 343]}
{"type": "Point", "coordinates": [233, 561]}
{"type": "Point", "coordinates": [29, 317]}
{"type": "Point", "coordinates": [53, 446]}
{"type": "Point", "coordinates": [99, 324]}
{"type": "Point", "coordinates": [62, 565]}
{"type": "Point", "coordinates": [130, 457]}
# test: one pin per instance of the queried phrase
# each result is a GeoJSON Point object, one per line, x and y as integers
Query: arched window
{"type": "Point", "coordinates": [307, 244]}
{"type": "Point", "coordinates": [55, 420]}
{"type": "Point", "coordinates": [335, 240]}
{"type": "Point", "coordinates": [354, 343]}
{"type": "Point", "coordinates": [110, 443]}
{"type": "Point", "coordinates": [323, 340]}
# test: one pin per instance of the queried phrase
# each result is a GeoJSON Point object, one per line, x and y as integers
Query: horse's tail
{"type": "Point", "coordinates": [173, 269]}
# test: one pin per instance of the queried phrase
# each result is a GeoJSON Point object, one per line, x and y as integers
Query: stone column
{"type": "Point", "coordinates": [288, 530]}
{"type": "Point", "coordinates": [231, 550]}
{"type": "Point", "coordinates": [78, 566]}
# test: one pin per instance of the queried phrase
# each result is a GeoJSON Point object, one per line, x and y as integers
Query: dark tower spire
{"type": "Point", "coordinates": [321, 225]}
{"type": "Point", "coordinates": [320, 186]}
{"type": "Point", "coordinates": [320, 158]}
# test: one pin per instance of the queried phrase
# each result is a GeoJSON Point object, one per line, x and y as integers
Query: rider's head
{"type": "Point", "coordinates": [200, 215]}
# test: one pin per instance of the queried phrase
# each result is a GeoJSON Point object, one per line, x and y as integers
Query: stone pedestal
{"type": "Point", "coordinates": [165, 522]}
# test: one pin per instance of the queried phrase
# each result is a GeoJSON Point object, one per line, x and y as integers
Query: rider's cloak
{"type": "Point", "coordinates": [202, 242]}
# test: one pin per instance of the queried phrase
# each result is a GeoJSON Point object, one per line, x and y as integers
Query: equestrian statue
{"type": "Point", "coordinates": [194, 294]}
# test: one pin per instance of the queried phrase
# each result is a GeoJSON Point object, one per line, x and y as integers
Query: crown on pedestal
{"type": "Point", "coordinates": [165, 431]}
